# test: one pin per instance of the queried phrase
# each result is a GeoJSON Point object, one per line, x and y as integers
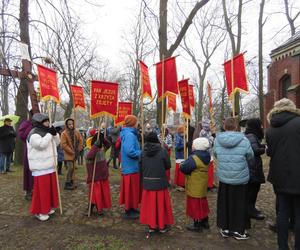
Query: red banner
{"type": "Point", "coordinates": [169, 74]}
{"type": "Point", "coordinates": [209, 92]}
{"type": "Point", "coordinates": [78, 97]}
{"type": "Point", "coordinates": [48, 84]}
{"type": "Point", "coordinates": [124, 108]}
{"type": "Point", "coordinates": [172, 102]}
{"type": "Point", "coordinates": [236, 68]}
{"type": "Point", "coordinates": [104, 99]}
{"type": "Point", "coordinates": [191, 95]}
{"type": "Point", "coordinates": [145, 80]}
{"type": "Point", "coordinates": [185, 98]}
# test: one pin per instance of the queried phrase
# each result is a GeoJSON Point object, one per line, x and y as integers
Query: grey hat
{"type": "Point", "coordinates": [39, 117]}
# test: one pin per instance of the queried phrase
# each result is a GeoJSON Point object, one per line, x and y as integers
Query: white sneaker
{"type": "Point", "coordinates": [42, 217]}
{"type": "Point", "coordinates": [52, 211]}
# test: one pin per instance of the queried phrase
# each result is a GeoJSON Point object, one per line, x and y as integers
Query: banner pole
{"type": "Point", "coordinates": [55, 160]}
{"type": "Point", "coordinates": [162, 104]}
{"type": "Point", "coordinates": [94, 171]}
{"type": "Point", "coordinates": [74, 164]}
{"type": "Point", "coordinates": [187, 137]}
{"type": "Point", "coordinates": [142, 106]}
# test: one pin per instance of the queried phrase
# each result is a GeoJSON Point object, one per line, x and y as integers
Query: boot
{"type": "Point", "coordinates": [59, 170]}
{"type": "Point", "coordinates": [204, 223]}
{"type": "Point", "coordinates": [195, 227]}
{"type": "Point", "coordinates": [28, 196]}
{"type": "Point", "coordinates": [69, 186]}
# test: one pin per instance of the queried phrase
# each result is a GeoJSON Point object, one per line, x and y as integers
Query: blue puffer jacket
{"type": "Point", "coordinates": [179, 146]}
{"type": "Point", "coordinates": [234, 152]}
{"type": "Point", "coordinates": [130, 150]}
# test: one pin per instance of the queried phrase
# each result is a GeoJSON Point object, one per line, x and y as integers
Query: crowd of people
{"type": "Point", "coordinates": [145, 172]}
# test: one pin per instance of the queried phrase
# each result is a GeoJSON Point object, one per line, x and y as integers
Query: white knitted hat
{"type": "Point", "coordinates": [201, 143]}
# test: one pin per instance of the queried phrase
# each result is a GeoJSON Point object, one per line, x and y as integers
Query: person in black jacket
{"type": "Point", "coordinates": [7, 145]}
{"type": "Point", "coordinates": [283, 141]}
{"type": "Point", "coordinates": [254, 132]}
{"type": "Point", "coordinates": [156, 210]}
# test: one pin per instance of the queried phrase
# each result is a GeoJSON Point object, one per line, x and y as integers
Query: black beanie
{"type": "Point", "coordinates": [152, 137]}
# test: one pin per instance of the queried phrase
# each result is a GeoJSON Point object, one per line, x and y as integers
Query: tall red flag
{"type": "Point", "coordinates": [124, 109]}
{"type": "Point", "coordinates": [104, 99]}
{"type": "Point", "coordinates": [78, 97]}
{"type": "Point", "coordinates": [191, 95]}
{"type": "Point", "coordinates": [170, 78]}
{"type": "Point", "coordinates": [185, 98]}
{"type": "Point", "coordinates": [172, 102]}
{"type": "Point", "coordinates": [145, 80]}
{"type": "Point", "coordinates": [236, 68]}
{"type": "Point", "coordinates": [48, 84]}
{"type": "Point", "coordinates": [209, 92]}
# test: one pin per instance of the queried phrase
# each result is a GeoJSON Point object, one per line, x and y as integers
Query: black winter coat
{"type": "Point", "coordinates": [7, 139]}
{"type": "Point", "coordinates": [283, 140]}
{"type": "Point", "coordinates": [256, 169]}
{"type": "Point", "coordinates": [153, 164]}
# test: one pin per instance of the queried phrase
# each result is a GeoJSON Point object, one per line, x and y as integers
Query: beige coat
{"type": "Point", "coordinates": [68, 148]}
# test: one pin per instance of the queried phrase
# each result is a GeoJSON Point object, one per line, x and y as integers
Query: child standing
{"type": "Point", "coordinates": [195, 168]}
{"type": "Point", "coordinates": [95, 148]}
{"type": "Point", "coordinates": [179, 179]}
{"type": "Point", "coordinates": [156, 210]}
{"type": "Point", "coordinates": [42, 156]}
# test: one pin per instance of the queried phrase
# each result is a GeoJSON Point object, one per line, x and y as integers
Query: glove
{"type": "Point", "coordinates": [98, 144]}
{"type": "Point", "coordinates": [52, 131]}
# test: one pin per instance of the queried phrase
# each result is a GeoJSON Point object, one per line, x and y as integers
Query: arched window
{"type": "Point", "coordinates": [285, 84]}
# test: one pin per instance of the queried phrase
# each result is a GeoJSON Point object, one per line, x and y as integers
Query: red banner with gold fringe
{"type": "Point", "coordinates": [185, 98]}
{"type": "Point", "coordinates": [48, 84]}
{"type": "Point", "coordinates": [172, 102]}
{"type": "Point", "coordinates": [191, 95]}
{"type": "Point", "coordinates": [104, 99]}
{"type": "Point", "coordinates": [78, 97]}
{"type": "Point", "coordinates": [145, 81]}
{"type": "Point", "coordinates": [124, 109]}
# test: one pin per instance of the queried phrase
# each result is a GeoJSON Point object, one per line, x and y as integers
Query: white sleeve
{"type": "Point", "coordinates": [56, 139]}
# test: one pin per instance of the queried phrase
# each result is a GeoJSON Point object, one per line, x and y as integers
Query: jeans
{"type": "Point", "coordinates": [286, 204]}
{"type": "Point", "coordinates": [5, 160]}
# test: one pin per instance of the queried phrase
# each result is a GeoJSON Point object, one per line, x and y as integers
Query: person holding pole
{"type": "Point", "coordinates": [71, 143]}
{"type": "Point", "coordinates": [130, 153]}
{"type": "Point", "coordinates": [42, 157]}
{"type": "Point", "coordinates": [95, 150]}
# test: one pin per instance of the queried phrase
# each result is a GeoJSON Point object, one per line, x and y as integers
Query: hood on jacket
{"type": "Point", "coordinates": [230, 139]}
{"type": "Point", "coordinates": [66, 121]}
{"type": "Point", "coordinates": [283, 105]}
{"type": "Point", "coordinates": [279, 119]}
{"type": "Point", "coordinates": [127, 130]}
{"type": "Point", "coordinates": [203, 155]}
{"type": "Point", "coordinates": [151, 148]}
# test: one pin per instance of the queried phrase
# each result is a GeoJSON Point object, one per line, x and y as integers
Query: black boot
{"type": "Point", "coordinates": [195, 227]}
{"type": "Point", "coordinates": [59, 170]}
{"type": "Point", "coordinates": [28, 196]}
{"type": "Point", "coordinates": [69, 186]}
{"type": "Point", "coordinates": [204, 223]}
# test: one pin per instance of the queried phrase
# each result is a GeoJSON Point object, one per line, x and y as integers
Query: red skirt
{"type": "Point", "coordinates": [179, 178]}
{"type": "Point", "coordinates": [156, 209]}
{"type": "Point", "coordinates": [101, 194]}
{"type": "Point", "coordinates": [130, 194]}
{"type": "Point", "coordinates": [211, 175]}
{"type": "Point", "coordinates": [168, 174]}
{"type": "Point", "coordinates": [45, 195]}
{"type": "Point", "coordinates": [197, 208]}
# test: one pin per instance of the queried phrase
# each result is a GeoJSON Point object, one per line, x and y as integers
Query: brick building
{"type": "Point", "coordinates": [284, 73]}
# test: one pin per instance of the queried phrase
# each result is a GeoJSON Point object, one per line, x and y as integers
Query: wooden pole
{"type": "Point", "coordinates": [142, 107]}
{"type": "Point", "coordinates": [232, 88]}
{"type": "Point", "coordinates": [187, 138]}
{"type": "Point", "coordinates": [55, 162]}
{"type": "Point", "coordinates": [94, 171]}
{"type": "Point", "coordinates": [74, 164]}
{"type": "Point", "coordinates": [162, 104]}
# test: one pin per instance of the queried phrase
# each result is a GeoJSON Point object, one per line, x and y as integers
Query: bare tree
{"type": "Point", "coordinates": [210, 37]}
{"type": "Point", "coordinates": [288, 13]}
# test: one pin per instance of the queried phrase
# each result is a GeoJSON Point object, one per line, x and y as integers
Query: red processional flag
{"type": "Point", "coordinates": [104, 99]}
{"type": "Point", "coordinates": [48, 84]}
{"type": "Point", "coordinates": [172, 102]}
{"type": "Point", "coordinates": [235, 68]}
{"type": "Point", "coordinates": [124, 109]}
{"type": "Point", "coordinates": [185, 98]}
{"type": "Point", "coordinates": [145, 80]}
{"type": "Point", "coordinates": [209, 92]}
{"type": "Point", "coordinates": [166, 79]}
{"type": "Point", "coordinates": [191, 95]}
{"type": "Point", "coordinates": [78, 97]}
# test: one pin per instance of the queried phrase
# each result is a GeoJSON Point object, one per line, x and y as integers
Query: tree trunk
{"type": "Point", "coordinates": [200, 98]}
{"type": "Point", "coordinates": [4, 95]}
{"type": "Point", "coordinates": [260, 61]}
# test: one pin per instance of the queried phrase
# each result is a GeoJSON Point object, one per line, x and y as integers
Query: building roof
{"type": "Point", "coordinates": [291, 41]}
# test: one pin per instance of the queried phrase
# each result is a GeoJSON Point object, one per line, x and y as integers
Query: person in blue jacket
{"type": "Point", "coordinates": [233, 153]}
{"type": "Point", "coordinates": [179, 178]}
{"type": "Point", "coordinates": [130, 194]}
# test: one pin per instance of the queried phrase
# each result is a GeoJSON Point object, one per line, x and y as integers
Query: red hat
{"type": "Point", "coordinates": [92, 131]}
{"type": "Point", "coordinates": [130, 120]}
